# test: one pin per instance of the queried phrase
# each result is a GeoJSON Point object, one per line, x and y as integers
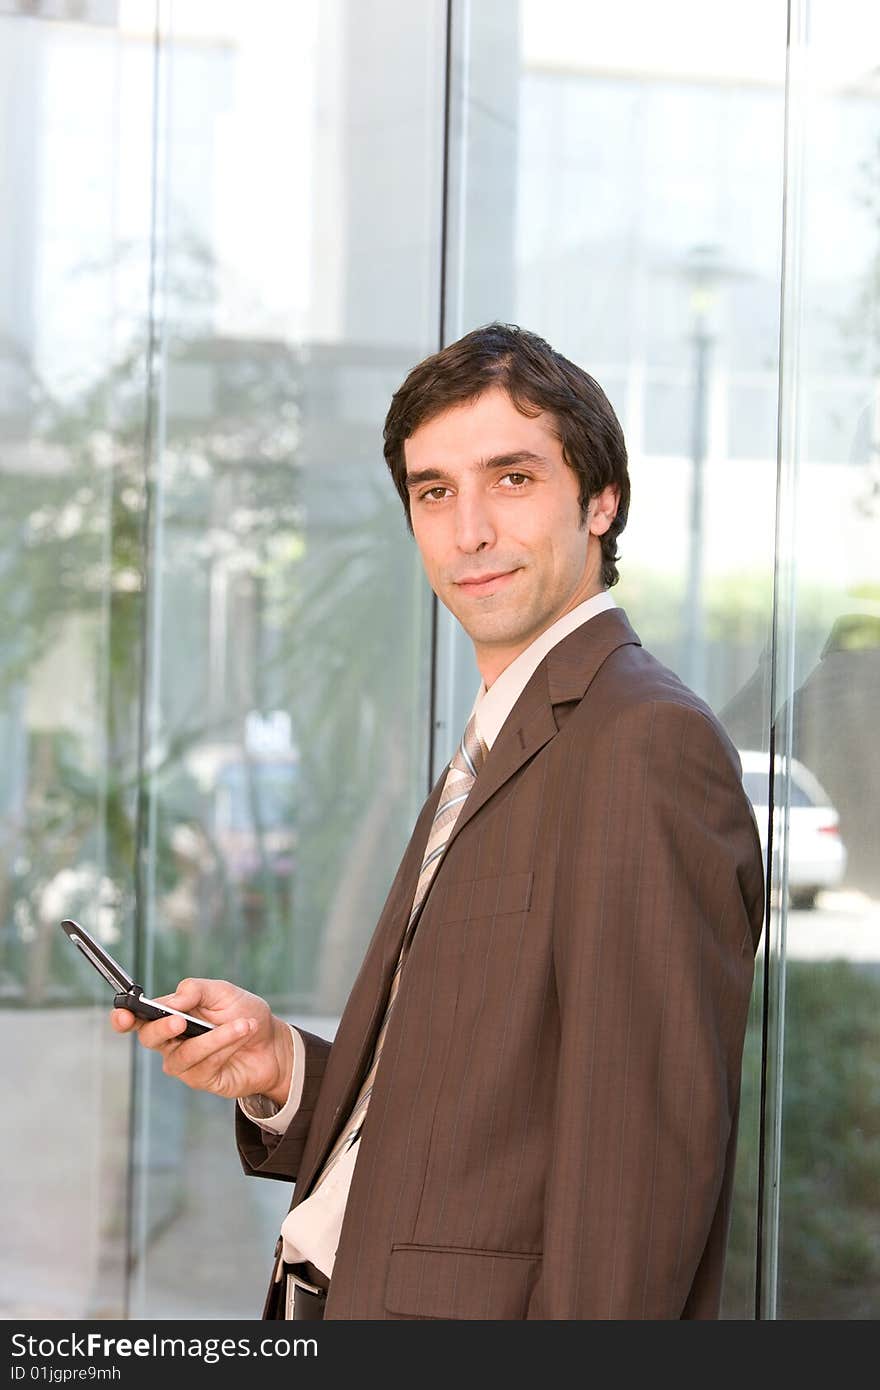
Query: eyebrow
{"type": "Point", "coordinates": [496, 461]}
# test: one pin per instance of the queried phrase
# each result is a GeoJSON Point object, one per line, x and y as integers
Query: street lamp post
{"type": "Point", "coordinates": [704, 270]}
{"type": "Point", "coordinates": [702, 298]}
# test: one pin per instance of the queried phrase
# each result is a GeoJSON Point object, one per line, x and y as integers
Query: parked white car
{"type": "Point", "coordinates": [816, 853]}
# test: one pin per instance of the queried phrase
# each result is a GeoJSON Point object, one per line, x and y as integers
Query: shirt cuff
{"type": "Point", "coordinates": [265, 1112]}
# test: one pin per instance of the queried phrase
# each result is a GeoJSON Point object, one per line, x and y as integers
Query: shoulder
{"type": "Point", "coordinates": [641, 710]}
{"type": "Point", "coordinates": [638, 685]}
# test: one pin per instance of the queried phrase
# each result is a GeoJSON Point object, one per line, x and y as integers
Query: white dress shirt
{"type": "Point", "coordinates": [311, 1231]}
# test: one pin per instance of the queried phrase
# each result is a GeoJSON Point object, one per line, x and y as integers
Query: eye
{"type": "Point", "coordinates": [517, 479]}
{"type": "Point", "coordinates": [430, 495]}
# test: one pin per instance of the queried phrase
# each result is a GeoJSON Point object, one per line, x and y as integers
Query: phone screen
{"type": "Point", "coordinates": [102, 960]}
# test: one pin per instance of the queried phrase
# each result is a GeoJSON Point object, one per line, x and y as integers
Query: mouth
{"type": "Point", "coordinates": [485, 583]}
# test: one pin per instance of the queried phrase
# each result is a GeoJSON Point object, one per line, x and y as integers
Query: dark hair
{"type": "Point", "coordinates": [536, 378]}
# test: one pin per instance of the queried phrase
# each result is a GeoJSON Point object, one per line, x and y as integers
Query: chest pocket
{"type": "Point", "coordinates": [487, 897]}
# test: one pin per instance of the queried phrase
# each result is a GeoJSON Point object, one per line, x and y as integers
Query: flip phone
{"type": "Point", "coordinates": [128, 995]}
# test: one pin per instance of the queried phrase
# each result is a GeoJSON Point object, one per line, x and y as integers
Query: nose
{"type": "Point", "coordinates": [473, 522]}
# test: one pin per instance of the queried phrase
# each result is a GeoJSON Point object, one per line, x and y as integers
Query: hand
{"type": "Point", "coordinates": [248, 1052]}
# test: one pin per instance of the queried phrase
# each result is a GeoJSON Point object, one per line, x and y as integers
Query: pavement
{"type": "Point", "coordinates": [844, 925]}
{"type": "Point", "coordinates": [202, 1233]}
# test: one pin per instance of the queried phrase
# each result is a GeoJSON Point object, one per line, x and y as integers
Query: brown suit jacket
{"type": "Point", "coordinates": [552, 1128]}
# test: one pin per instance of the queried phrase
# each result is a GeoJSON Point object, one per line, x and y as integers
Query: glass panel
{"type": "Point", "coordinates": [829, 673]}
{"type": "Point", "coordinates": [637, 158]}
{"type": "Point", "coordinates": [300, 167]}
{"type": "Point", "coordinates": [74, 271]}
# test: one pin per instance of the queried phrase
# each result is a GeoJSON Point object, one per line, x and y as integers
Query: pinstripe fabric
{"type": "Point", "coordinates": [552, 1131]}
{"type": "Point", "coordinates": [461, 775]}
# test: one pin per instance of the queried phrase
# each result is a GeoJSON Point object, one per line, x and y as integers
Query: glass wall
{"type": "Point", "coordinates": [74, 291]}
{"type": "Point", "coordinates": [641, 150]}
{"type": "Point", "coordinates": [641, 158]}
{"type": "Point", "coordinates": [825, 1160]}
{"type": "Point", "coordinates": [288, 656]}
{"type": "Point", "coordinates": [229, 231]}
{"type": "Point", "coordinates": [224, 257]}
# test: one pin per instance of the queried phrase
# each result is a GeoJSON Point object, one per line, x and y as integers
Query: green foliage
{"type": "Point", "coordinates": [829, 1241]}
{"type": "Point", "coordinates": [738, 607]}
{"type": "Point", "coordinates": [78, 530]}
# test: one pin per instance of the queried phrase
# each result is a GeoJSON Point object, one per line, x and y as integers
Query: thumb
{"type": "Point", "coordinates": [194, 995]}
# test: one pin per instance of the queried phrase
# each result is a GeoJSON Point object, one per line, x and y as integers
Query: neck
{"type": "Point", "coordinates": [493, 661]}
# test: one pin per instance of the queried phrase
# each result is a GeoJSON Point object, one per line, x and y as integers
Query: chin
{"type": "Point", "coordinates": [497, 634]}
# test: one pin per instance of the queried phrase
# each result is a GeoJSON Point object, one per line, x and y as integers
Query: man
{"type": "Point", "coordinates": [530, 1106]}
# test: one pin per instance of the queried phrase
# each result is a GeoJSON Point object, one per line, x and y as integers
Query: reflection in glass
{"type": "Point", "coordinates": [285, 695]}
{"type": "Point", "coordinates": [646, 247]}
{"type": "Point", "coordinates": [202, 318]}
{"type": "Point", "coordinates": [72, 422]}
{"type": "Point", "coordinates": [828, 1256]}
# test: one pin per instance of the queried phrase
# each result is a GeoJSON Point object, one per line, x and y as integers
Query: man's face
{"type": "Point", "coordinates": [496, 517]}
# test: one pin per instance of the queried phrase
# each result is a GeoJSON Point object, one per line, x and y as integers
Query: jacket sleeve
{"type": "Point", "coordinates": [267, 1155]}
{"type": "Point", "coordinates": [654, 960]}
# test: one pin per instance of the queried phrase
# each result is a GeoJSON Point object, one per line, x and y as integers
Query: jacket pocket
{"type": "Point", "coordinates": [432, 1281]}
{"type": "Point", "coordinates": [486, 897]}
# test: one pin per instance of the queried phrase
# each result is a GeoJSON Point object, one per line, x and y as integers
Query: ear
{"type": "Point", "coordinates": [603, 509]}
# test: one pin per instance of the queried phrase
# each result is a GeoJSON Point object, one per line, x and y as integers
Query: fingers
{"type": "Point", "coordinates": [201, 1062]}
{"type": "Point", "coordinates": [216, 1001]}
{"type": "Point", "coordinates": [122, 1020]}
{"type": "Point", "coordinates": [155, 1034]}
{"type": "Point", "coordinates": [198, 1061]}
{"type": "Point", "coordinates": [186, 997]}
{"type": "Point", "coordinates": [192, 1052]}
{"type": "Point", "coordinates": [194, 1060]}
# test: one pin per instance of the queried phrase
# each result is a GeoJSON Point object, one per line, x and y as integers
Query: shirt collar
{"type": "Point", "coordinates": [492, 706]}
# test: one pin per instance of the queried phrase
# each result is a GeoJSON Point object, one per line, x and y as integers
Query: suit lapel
{"type": "Point", "coordinates": [530, 724]}
{"type": "Point", "coordinates": [415, 854]}
{"type": "Point", "coordinates": [563, 676]}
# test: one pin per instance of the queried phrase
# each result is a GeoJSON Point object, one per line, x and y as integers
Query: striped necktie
{"type": "Point", "coordinates": [461, 776]}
